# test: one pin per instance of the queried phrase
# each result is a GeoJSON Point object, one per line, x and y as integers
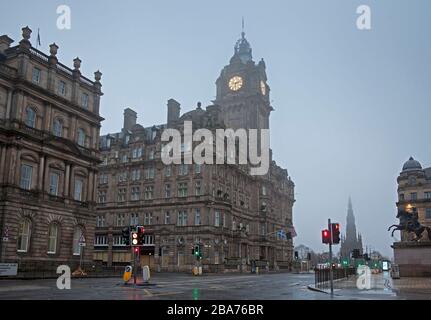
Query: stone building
{"type": "Point", "coordinates": [351, 240]}
{"type": "Point", "coordinates": [49, 137]}
{"type": "Point", "coordinates": [414, 196]}
{"type": "Point", "coordinates": [414, 191]}
{"type": "Point", "coordinates": [233, 215]}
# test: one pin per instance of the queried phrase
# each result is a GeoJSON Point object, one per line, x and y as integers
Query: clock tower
{"type": "Point", "coordinates": [242, 90]}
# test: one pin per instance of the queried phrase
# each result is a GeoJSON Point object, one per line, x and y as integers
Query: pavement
{"type": "Point", "coordinates": [174, 286]}
{"type": "Point", "coordinates": [383, 287]}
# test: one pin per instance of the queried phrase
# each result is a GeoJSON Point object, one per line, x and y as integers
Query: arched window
{"type": "Point", "coordinates": [52, 238]}
{"type": "Point", "coordinates": [58, 128]}
{"type": "Point", "coordinates": [78, 236]}
{"type": "Point", "coordinates": [81, 137]}
{"type": "Point", "coordinates": [24, 235]}
{"type": "Point", "coordinates": [30, 117]}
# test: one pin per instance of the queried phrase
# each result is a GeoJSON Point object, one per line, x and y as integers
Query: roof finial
{"type": "Point", "coordinates": [243, 33]}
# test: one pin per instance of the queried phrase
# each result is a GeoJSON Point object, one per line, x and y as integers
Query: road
{"type": "Point", "coordinates": [170, 286]}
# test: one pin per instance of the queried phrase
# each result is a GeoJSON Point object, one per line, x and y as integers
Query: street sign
{"type": "Point", "coordinates": [6, 234]}
{"type": "Point", "coordinates": [82, 241]}
{"type": "Point", "coordinates": [127, 273]}
{"type": "Point", "coordinates": [8, 269]}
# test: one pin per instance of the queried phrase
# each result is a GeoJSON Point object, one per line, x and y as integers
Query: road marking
{"type": "Point", "coordinates": [166, 293]}
{"type": "Point", "coordinates": [22, 288]}
{"type": "Point", "coordinates": [148, 292]}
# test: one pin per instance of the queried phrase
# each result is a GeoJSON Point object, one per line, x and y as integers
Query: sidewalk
{"type": "Point", "coordinates": [382, 287]}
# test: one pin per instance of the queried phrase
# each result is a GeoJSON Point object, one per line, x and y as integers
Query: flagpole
{"type": "Point", "coordinates": [38, 38]}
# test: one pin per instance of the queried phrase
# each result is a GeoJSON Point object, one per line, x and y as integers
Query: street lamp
{"type": "Point", "coordinates": [240, 229]}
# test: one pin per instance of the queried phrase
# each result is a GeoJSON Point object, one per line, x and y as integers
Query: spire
{"type": "Point", "coordinates": [243, 33]}
{"type": "Point", "coordinates": [242, 47]}
{"type": "Point", "coordinates": [351, 235]}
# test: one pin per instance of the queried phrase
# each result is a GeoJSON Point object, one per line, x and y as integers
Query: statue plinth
{"type": "Point", "coordinates": [413, 258]}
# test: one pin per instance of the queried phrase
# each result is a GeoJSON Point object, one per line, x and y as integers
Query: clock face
{"type": "Point", "coordinates": [263, 87]}
{"type": "Point", "coordinates": [235, 83]}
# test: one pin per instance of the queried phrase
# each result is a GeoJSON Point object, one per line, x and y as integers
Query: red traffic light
{"type": "Point", "coordinates": [136, 250]}
{"type": "Point", "coordinates": [335, 233]}
{"type": "Point", "coordinates": [326, 236]}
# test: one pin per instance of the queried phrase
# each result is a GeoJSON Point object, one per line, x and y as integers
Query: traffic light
{"type": "Point", "coordinates": [197, 252]}
{"type": "Point", "coordinates": [296, 255]}
{"type": "Point", "coordinates": [126, 236]}
{"type": "Point", "coordinates": [141, 235]}
{"type": "Point", "coordinates": [309, 256]}
{"type": "Point", "coordinates": [326, 236]}
{"type": "Point", "coordinates": [345, 262]}
{"type": "Point", "coordinates": [356, 253]}
{"type": "Point", "coordinates": [134, 238]}
{"type": "Point", "coordinates": [335, 233]}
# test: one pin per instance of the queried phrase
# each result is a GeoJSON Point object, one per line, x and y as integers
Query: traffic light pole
{"type": "Point", "coordinates": [331, 273]}
{"type": "Point", "coordinates": [134, 265]}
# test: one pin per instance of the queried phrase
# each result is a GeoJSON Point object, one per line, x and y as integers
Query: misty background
{"type": "Point", "coordinates": [351, 106]}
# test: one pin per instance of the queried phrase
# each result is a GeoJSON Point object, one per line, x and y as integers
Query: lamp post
{"type": "Point", "coordinates": [239, 231]}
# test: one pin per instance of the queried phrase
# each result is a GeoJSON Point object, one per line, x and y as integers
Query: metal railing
{"type": "Point", "coordinates": [322, 275]}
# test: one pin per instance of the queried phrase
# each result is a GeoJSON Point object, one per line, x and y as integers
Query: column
{"type": "Point", "coordinates": [94, 137]}
{"type": "Point", "coordinates": [67, 181]}
{"type": "Point", "coordinates": [46, 176]}
{"type": "Point", "coordinates": [90, 186]}
{"type": "Point", "coordinates": [9, 103]}
{"type": "Point", "coordinates": [40, 177]}
{"type": "Point", "coordinates": [95, 187]}
{"type": "Point", "coordinates": [72, 133]}
{"type": "Point", "coordinates": [48, 112]}
{"type": "Point", "coordinates": [15, 166]}
{"type": "Point", "coordinates": [2, 163]}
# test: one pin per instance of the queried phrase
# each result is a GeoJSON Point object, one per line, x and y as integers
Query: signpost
{"type": "Point", "coordinates": [81, 244]}
{"type": "Point", "coordinates": [331, 272]}
{"type": "Point", "coordinates": [5, 238]}
{"type": "Point", "coordinates": [6, 234]}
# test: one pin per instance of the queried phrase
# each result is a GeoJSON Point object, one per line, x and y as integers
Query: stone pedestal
{"type": "Point", "coordinates": [413, 258]}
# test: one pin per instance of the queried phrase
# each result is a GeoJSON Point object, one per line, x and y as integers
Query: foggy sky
{"type": "Point", "coordinates": [350, 106]}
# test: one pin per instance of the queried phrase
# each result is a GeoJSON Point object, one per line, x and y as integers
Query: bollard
{"type": "Point", "coordinates": [146, 273]}
{"type": "Point", "coordinates": [127, 274]}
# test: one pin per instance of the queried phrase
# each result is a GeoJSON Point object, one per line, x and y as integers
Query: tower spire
{"type": "Point", "coordinates": [242, 32]}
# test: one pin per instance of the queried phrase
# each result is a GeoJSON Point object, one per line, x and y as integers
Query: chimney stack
{"type": "Point", "coordinates": [173, 111]}
{"type": "Point", "coordinates": [130, 117]}
{"type": "Point", "coordinates": [5, 43]}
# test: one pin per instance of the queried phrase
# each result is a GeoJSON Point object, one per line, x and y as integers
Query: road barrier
{"type": "Point", "coordinates": [322, 274]}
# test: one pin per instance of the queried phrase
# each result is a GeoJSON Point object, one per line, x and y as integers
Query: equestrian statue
{"type": "Point", "coordinates": [409, 222]}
